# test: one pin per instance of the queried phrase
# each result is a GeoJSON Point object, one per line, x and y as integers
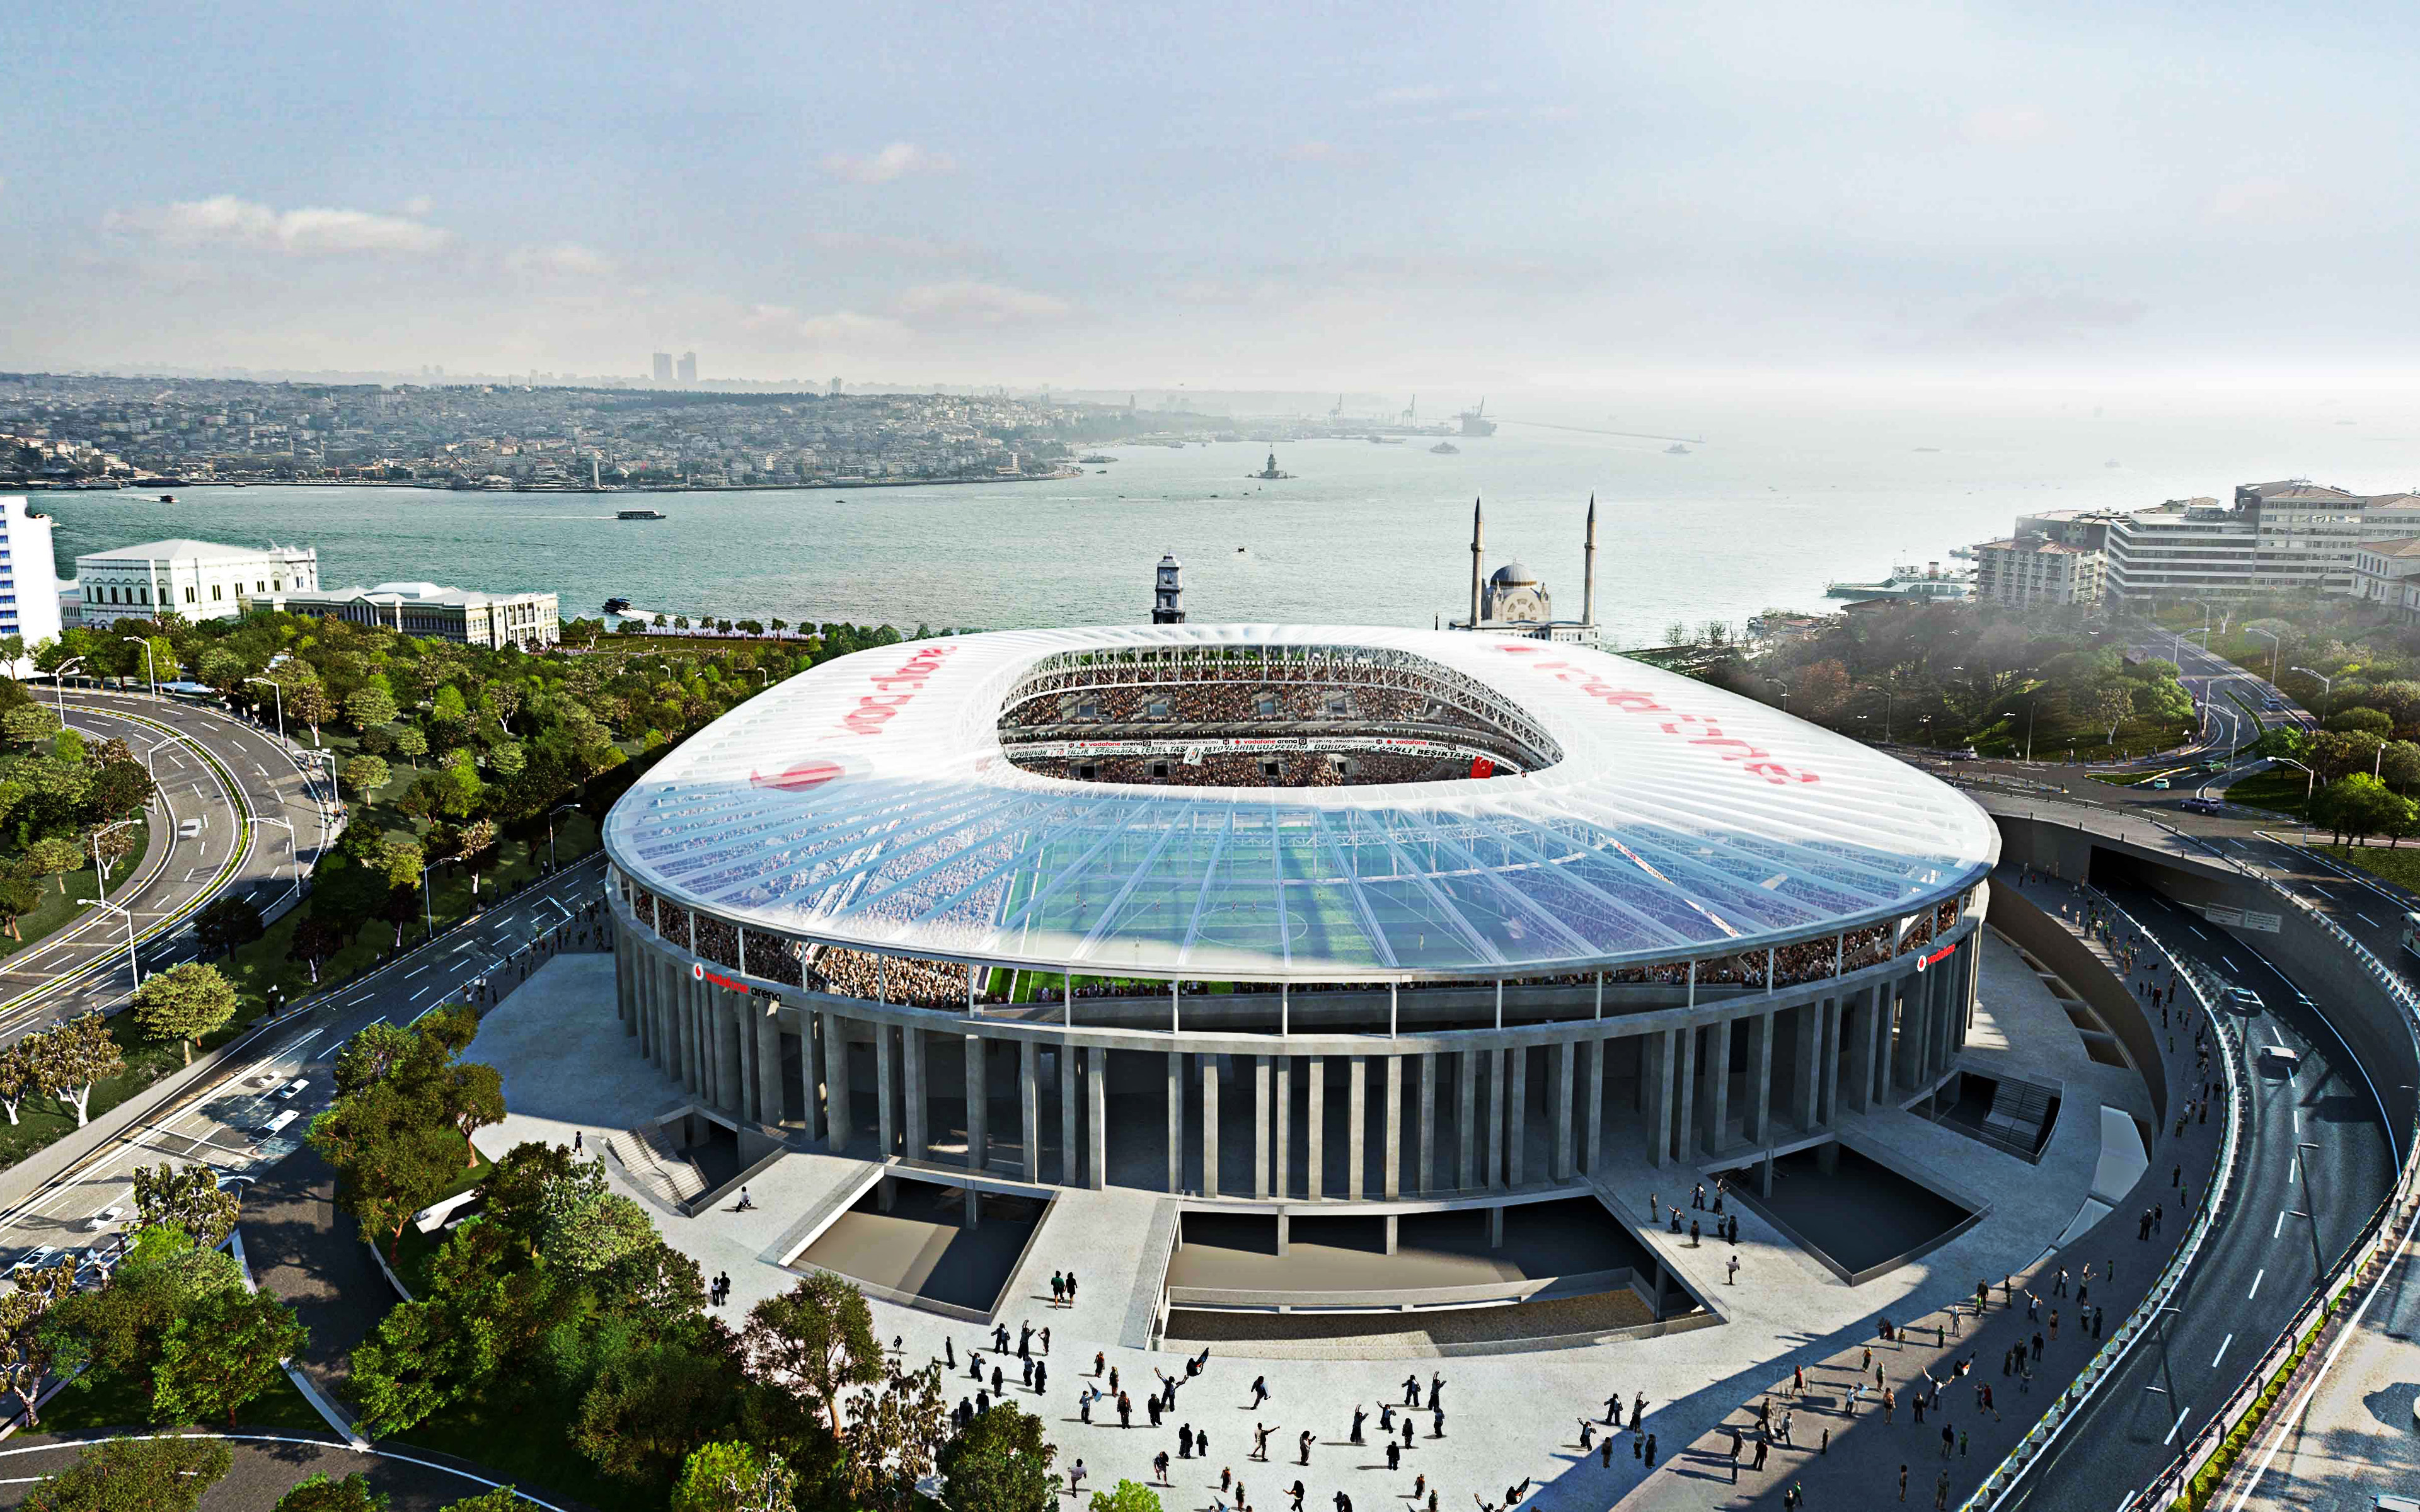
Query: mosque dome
{"type": "Point", "coordinates": [1513, 574]}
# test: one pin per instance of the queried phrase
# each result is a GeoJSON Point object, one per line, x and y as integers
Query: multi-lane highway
{"type": "Point", "coordinates": [2263, 1257]}
{"type": "Point", "coordinates": [221, 1122]}
{"type": "Point", "coordinates": [235, 814]}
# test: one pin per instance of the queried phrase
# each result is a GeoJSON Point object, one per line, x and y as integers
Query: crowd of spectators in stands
{"type": "Point", "coordinates": [1248, 769]}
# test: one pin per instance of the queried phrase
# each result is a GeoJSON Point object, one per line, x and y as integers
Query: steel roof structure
{"type": "Point", "coordinates": [868, 804]}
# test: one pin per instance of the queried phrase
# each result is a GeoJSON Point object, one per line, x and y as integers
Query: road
{"type": "Point", "coordinates": [221, 1123]}
{"type": "Point", "coordinates": [2219, 684]}
{"type": "Point", "coordinates": [233, 802]}
{"type": "Point", "coordinates": [2260, 1261]}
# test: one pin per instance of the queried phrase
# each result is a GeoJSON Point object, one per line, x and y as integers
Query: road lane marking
{"type": "Point", "coordinates": [2264, 1269]}
{"type": "Point", "coordinates": [2196, 932]}
{"type": "Point", "coordinates": [2230, 964]}
{"type": "Point", "coordinates": [2364, 918]}
{"type": "Point", "coordinates": [2222, 1350]}
{"type": "Point", "coordinates": [2179, 1423]}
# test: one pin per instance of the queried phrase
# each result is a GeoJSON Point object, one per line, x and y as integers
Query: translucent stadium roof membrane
{"type": "Point", "coordinates": [867, 803]}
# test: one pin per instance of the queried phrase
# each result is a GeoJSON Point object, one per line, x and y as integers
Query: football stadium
{"type": "Point", "coordinates": [1353, 936]}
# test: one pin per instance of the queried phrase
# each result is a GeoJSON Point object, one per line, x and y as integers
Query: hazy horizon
{"type": "Point", "coordinates": [1876, 202]}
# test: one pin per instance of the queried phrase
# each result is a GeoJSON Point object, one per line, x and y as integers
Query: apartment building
{"type": "Point", "coordinates": [2275, 537]}
{"type": "Point", "coordinates": [2026, 569]}
{"type": "Point", "coordinates": [29, 596]}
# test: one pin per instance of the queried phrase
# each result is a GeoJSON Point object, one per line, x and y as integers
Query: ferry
{"type": "Point", "coordinates": [1445, 449]}
{"type": "Point", "coordinates": [640, 514]}
{"type": "Point", "coordinates": [1929, 585]}
{"type": "Point", "coordinates": [1096, 457]}
{"type": "Point", "coordinates": [1676, 449]}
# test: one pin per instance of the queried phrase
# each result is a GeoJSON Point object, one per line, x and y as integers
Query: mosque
{"type": "Point", "coordinates": [1513, 602]}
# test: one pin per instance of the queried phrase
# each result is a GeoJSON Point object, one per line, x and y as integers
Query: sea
{"type": "Point", "coordinates": [1763, 511]}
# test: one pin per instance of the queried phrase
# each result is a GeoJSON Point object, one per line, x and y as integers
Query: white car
{"type": "Point", "coordinates": [277, 1125]}
{"type": "Point", "coordinates": [2278, 1054]}
{"type": "Point", "coordinates": [2245, 998]}
{"type": "Point", "coordinates": [292, 1089]}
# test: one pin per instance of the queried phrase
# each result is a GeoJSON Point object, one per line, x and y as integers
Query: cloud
{"type": "Point", "coordinates": [223, 220]}
{"type": "Point", "coordinates": [897, 160]}
{"type": "Point", "coordinates": [2036, 317]}
{"type": "Point", "coordinates": [988, 304]}
{"type": "Point", "coordinates": [564, 259]}
{"type": "Point", "coordinates": [2262, 198]}
{"type": "Point", "coordinates": [913, 248]}
{"type": "Point", "coordinates": [841, 328]}
{"type": "Point", "coordinates": [2009, 127]}
{"type": "Point", "coordinates": [418, 205]}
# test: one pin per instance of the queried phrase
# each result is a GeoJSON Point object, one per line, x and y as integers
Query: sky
{"type": "Point", "coordinates": [1509, 197]}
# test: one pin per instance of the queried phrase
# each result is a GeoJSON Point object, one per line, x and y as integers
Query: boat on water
{"type": "Point", "coordinates": [1445, 449]}
{"type": "Point", "coordinates": [1929, 584]}
{"type": "Point", "coordinates": [1676, 449]}
{"type": "Point", "coordinates": [640, 514]}
{"type": "Point", "coordinates": [617, 605]}
{"type": "Point", "coordinates": [1096, 457]}
{"type": "Point", "coordinates": [1386, 440]}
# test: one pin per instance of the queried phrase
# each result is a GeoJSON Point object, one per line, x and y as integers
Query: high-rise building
{"type": "Point", "coordinates": [689, 367]}
{"type": "Point", "coordinates": [29, 589]}
{"type": "Point", "coordinates": [835, 388]}
{"type": "Point", "coordinates": [663, 367]}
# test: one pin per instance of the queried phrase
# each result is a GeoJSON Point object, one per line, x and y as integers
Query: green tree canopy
{"type": "Point", "coordinates": [184, 1003]}
{"type": "Point", "coordinates": [1126, 1496]}
{"type": "Point", "coordinates": [321, 1493]}
{"type": "Point", "coordinates": [224, 1352]}
{"type": "Point", "coordinates": [731, 1476]}
{"type": "Point", "coordinates": [188, 1198]}
{"type": "Point", "coordinates": [1000, 1463]}
{"type": "Point", "coordinates": [135, 1475]}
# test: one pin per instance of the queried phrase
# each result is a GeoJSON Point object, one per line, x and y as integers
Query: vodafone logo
{"type": "Point", "coordinates": [803, 778]}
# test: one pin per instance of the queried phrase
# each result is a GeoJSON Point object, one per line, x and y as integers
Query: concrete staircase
{"type": "Point", "coordinates": [656, 1168]}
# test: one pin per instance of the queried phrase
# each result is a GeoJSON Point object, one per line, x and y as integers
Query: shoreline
{"type": "Point", "coordinates": [843, 486]}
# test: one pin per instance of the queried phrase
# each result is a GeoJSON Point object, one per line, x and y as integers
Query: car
{"type": "Point", "coordinates": [2245, 998]}
{"type": "Point", "coordinates": [292, 1089]}
{"type": "Point", "coordinates": [2385, 1501]}
{"type": "Point", "coordinates": [103, 1219]}
{"type": "Point", "coordinates": [2271, 704]}
{"type": "Point", "coordinates": [41, 1259]}
{"type": "Point", "coordinates": [1969, 754]}
{"type": "Point", "coordinates": [2201, 804]}
{"type": "Point", "coordinates": [277, 1125]}
{"type": "Point", "coordinates": [2280, 1056]}
{"type": "Point", "coordinates": [2158, 784]}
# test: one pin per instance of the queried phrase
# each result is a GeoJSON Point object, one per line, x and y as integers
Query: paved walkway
{"type": "Point", "coordinates": [263, 1472]}
{"type": "Point", "coordinates": [309, 1255]}
{"type": "Point", "coordinates": [1868, 1445]}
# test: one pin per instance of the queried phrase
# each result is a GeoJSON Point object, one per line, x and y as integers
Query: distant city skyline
{"type": "Point", "coordinates": [1545, 198]}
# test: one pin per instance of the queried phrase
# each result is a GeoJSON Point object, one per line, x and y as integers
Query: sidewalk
{"type": "Point", "coordinates": [1861, 1467]}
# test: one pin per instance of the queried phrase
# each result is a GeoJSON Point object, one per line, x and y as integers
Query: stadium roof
{"type": "Point", "coordinates": [867, 803]}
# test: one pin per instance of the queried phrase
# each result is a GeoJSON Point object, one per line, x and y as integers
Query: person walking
{"type": "Point", "coordinates": [1303, 1444]}
{"type": "Point", "coordinates": [1261, 1432]}
{"type": "Point", "coordinates": [1612, 1409]}
{"type": "Point", "coordinates": [1260, 1392]}
{"type": "Point", "coordinates": [1764, 1446]}
{"type": "Point", "coordinates": [1902, 1483]}
{"type": "Point", "coordinates": [1731, 1277]}
{"type": "Point", "coordinates": [1941, 1490]}
{"type": "Point", "coordinates": [1650, 1451]}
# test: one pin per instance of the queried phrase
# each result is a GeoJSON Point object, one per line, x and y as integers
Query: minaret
{"type": "Point", "coordinates": [1588, 590]}
{"type": "Point", "coordinates": [1478, 538]}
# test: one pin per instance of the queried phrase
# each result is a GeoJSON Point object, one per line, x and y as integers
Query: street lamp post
{"type": "Point", "coordinates": [550, 831]}
{"type": "Point", "coordinates": [2275, 644]}
{"type": "Point", "coordinates": [59, 687]}
{"type": "Point", "coordinates": [280, 694]}
{"type": "Point", "coordinates": [149, 669]}
{"type": "Point", "coordinates": [2310, 1209]}
{"type": "Point", "coordinates": [132, 966]}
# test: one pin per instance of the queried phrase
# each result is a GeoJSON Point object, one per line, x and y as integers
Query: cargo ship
{"type": "Point", "coordinates": [1475, 422]}
{"type": "Point", "coordinates": [1929, 585]}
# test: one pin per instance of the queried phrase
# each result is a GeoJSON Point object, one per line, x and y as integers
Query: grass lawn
{"type": "Point", "coordinates": [119, 1401]}
{"type": "Point", "coordinates": [2280, 789]}
{"type": "Point", "coordinates": [42, 1120]}
{"type": "Point", "coordinates": [60, 906]}
{"type": "Point", "coordinates": [527, 1434]}
{"type": "Point", "coordinates": [2398, 864]}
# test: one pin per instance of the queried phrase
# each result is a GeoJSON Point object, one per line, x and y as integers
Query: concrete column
{"type": "Point", "coordinates": [1868, 1034]}
{"type": "Point", "coordinates": [1465, 1123]}
{"type": "Point", "coordinates": [1029, 1103]}
{"type": "Point", "coordinates": [1657, 1058]}
{"type": "Point", "coordinates": [1759, 1075]}
{"type": "Point", "coordinates": [1261, 1126]}
{"type": "Point", "coordinates": [1356, 1124]}
{"type": "Point", "coordinates": [1209, 1125]}
{"type": "Point", "coordinates": [1097, 1106]}
{"type": "Point", "coordinates": [770, 1104]}
{"type": "Point", "coordinates": [836, 1116]}
{"type": "Point", "coordinates": [1390, 1153]}
{"type": "Point", "coordinates": [1071, 1145]}
{"type": "Point", "coordinates": [1314, 1131]}
{"type": "Point", "coordinates": [1282, 1132]}
{"type": "Point", "coordinates": [1719, 1085]}
{"type": "Point", "coordinates": [742, 1012]}
{"type": "Point", "coordinates": [1685, 1128]}
{"type": "Point", "coordinates": [1516, 1134]}
{"type": "Point", "coordinates": [886, 1096]}
{"type": "Point", "coordinates": [1916, 1014]}
{"type": "Point", "coordinates": [811, 1101]}
{"type": "Point", "coordinates": [1565, 1070]}
{"type": "Point", "coordinates": [1592, 1137]}
{"type": "Point", "coordinates": [1175, 1121]}
{"type": "Point", "coordinates": [1827, 1053]}
{"type": "Point", "coordinates": [1428, 1121]}
{"type": "Point", "coordinates": [1807, 1038]}
{"type": "Point", "coordinates": [1496, 1118]}
{"type": "Point", "coordinates": [911, 1088]}
{"type": "Point", "coordinates": [977, 1103]}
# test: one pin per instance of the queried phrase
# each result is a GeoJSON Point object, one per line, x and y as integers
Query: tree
{"type": "Point", "coordinates": [222, 1354]}
{"type": "Point", "coordinates": [315, 939]}
{"type": "Point", "coordinates": [118, 789]}
{"type": "Point", "coordinates": [73, 1057]}
{"type": "Point", "coordinates": [135, 1475]}
{"type": "Point", "coordinates": [30, 724]}
{"type": "Point", "coordinates": [29, 1348]}
{"type": "Point", "coordinates": [1000, 1464]}
{"type": "Point", "coordinates": [400, 861]}
{"type": "Point", "coordinates": [17, 1076]}
{"type": "Point", "coordinates": [893, 1436]}
{"type": "Point", "coordinates": [411, 744]}
{"type": "Point", "coordinates": [2112, 705]}
{"type": "Point", "coordinates": [731, 1476]}
{"type": "Point", "coordinates": [363, 776]}
{"type": "Point", "coordinates": [2335, 753]}
{"type": "Point", "coordinates": [184, 1003]}
{"type": "Point", "coordinates": [188, 1198]}
{"type": "Point", "coordinates": [2360, 721]}
{"type": "Point", "coordinates": [477, 847]}
{"type": "Point", "coordinates": [370, 706]}
{"type": "Point", "coordinates": [54, 856]}
{"type": "Point", "coordinates": [647, 1412]}
{"type": "Point", "coordinates": [2399, 765]}
{"type": "Point", "coordinates": [19, 895]}
{"type": "Point", "coordinates": [391, 1158]}
{"type": "Point", "coordinates": [495, 1498]}
{"type": "Point", "coordinates": [1126, 1496]}
{"type": "Point", "coordinates": [226, 923]}
{"type": "Point", "coordinates": [309, 703]}
{"type": "Point", "coordinates": [2360, 806]}
{"type": "Point", "coordinates": [816, 1341]}
{"type": "Point", "coordinates": [321, 1494]}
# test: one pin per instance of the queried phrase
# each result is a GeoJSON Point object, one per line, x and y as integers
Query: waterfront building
{"type": "Point", "coordinates": [2276, 537]}
{"type": "Point", "coordinates": [2033, 569]}
{"type": "Point", "coordinates": [197, 579]}
{"type": "Point", "coordinates": [1167, 593]}
{"type": "Point", "coordinates": [494, 620]}
{"type": "Point", "coordinates": [29, 594]}
{"type": "Point", "coordinates": [2386, 574]}
{"type": "Point", "coordinates": [1513, 602]}
{"type": "Point", "coordinates": [664, 372]}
